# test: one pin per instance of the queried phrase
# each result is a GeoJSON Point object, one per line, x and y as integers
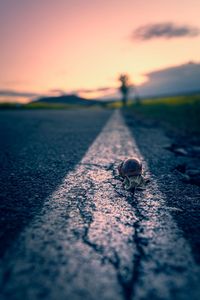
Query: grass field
{"type": "Point", "coordinates": [180, 113]}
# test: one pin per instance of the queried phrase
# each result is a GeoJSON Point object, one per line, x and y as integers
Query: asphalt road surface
{"type": "Point", "coordinates": [68, 228]}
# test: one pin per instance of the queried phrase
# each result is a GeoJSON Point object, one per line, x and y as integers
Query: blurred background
{"type": "Point", "coordinates": [63, 54]}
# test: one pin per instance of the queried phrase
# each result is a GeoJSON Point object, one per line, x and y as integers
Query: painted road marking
{"type": "Point", "coordinates": [93, 240]}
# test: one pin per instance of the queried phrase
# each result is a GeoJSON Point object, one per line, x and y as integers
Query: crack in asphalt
{"type": "Point", "coordinates": [127, 283]}
{"type": "Point", "coordinates": [92, 230]}
{"type": "Point", "coordinates": [140, 254]}
{"type": "Point", "coordinates": [100, 249]}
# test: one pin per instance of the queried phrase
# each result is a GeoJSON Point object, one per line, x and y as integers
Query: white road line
{"type": "Point", "coordinates": [93, 240]}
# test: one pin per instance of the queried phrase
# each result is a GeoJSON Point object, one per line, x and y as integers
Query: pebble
{"type": "Point", "coordinates": [181, 151]}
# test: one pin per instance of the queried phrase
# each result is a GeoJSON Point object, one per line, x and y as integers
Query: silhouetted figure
{"type": "Point", "coordinates": [124, 88]}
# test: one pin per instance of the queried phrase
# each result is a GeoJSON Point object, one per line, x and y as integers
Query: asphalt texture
{"type": "Point", "coordinates": [71, 231]}
{"type": "Point", "coordinates": [38, 148]}
{"type": "Point", "coordinates": [154, 143]}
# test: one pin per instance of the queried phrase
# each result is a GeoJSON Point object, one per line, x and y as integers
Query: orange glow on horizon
{"type": "Point", "coordinates": [71, 45]}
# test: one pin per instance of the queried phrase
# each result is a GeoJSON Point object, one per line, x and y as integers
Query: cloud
{"type": "Point", "coordinates": [101, 89]}
{"type": "Point", "coordinates": [167, 30]}
{"type": "Point", "coordinates": [8, 95]}
{"type": "Point", "coordinates": [57, 92]}
{"type": "Point", "coordinates": [13, 93]}
{"type": "Point", "coordinates": [173, 80]}
{"type": "Point", "coordinates": [14, 82]}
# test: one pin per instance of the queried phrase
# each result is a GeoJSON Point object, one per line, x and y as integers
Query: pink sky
{"type": "Point", "coordinates": [76, 44]}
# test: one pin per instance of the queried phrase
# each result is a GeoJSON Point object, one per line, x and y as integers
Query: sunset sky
{"type": "Point", "coordinates": [48, 46]}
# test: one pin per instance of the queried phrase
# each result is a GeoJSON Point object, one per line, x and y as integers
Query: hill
{"type": "Point", "coordinates": [67, 99]}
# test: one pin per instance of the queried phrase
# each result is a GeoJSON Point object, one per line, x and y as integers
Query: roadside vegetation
{"type": "Point", "coordinates": [180, 113]}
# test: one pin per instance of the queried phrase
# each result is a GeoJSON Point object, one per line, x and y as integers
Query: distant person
{"type": "Point", "coordinates": [124, 88]}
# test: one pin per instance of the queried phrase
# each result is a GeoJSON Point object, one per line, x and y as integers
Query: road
{"type": "Point", "coordinates": [70, 231]}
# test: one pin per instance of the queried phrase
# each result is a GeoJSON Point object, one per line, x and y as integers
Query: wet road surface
{"type": "Point", "coordinates": [92, 239]}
